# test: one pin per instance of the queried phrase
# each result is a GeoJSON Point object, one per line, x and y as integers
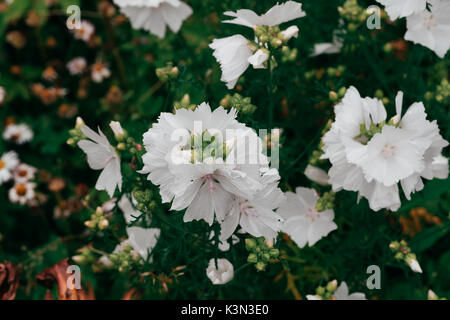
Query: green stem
{"type": "Point", "coordinates": [270, 91]}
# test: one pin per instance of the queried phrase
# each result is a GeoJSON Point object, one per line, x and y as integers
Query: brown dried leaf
{"type": "Point", "coordinates": [58, 273]}
{"type": "Point", "coordinates": [9, 280]}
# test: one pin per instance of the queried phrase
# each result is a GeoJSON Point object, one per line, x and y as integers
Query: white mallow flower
{"type": "Point", "coordinates": [257, 60]}
{"type": "Point", "coordinates": [429, 138]}
{"type": "Point", "coordinates": [236, 53]}
{"type": "Point", "coordinates": [76, 65]}
{"type": "Point", "coordinates": [388, 157]}
{"type": "Point", "coordinates": [403, 8]}
{"type": "Point", "coordinates": [155, 15]}
{"type": "Point", "coordinates": [401, 151]}
{"type": "Point", "coordinates": [101, 155]}
{"type": "Point", "coordinates": [278, 14]}
{"type": "Point", "coordinates": [291, 32]}
{"type": "Point", "coordinates": [431, 28]}
{"type": "Point", "coordinates": [303, 223]}
{"type": "Point", "coordinates": [142, 240]}
{"type": "Point", "coordinates": [256, 216]}
{"type": "Point", "coordinates": [328, 47]}
{"type": "Point", "coordinates": [223, 273]}
{"type": "Point", "coordinates": [233, 54]}
{"type": "Point", "coordinates": [203, 179]}
{"type": "Point", "coordinates": [24, 173]}
{"type": "Point", "coordinates": [22, 192]}
{"type": "Point", "coordinates": [8, 163]}
{"type": "Point", "coordinates": [18, 133]}
{"type": "Point", "coordinates": [343, 294]}
{"type": "Point", "coordinates": [130, 214]}
{"type": "Point", "coordinates": [317, 175]}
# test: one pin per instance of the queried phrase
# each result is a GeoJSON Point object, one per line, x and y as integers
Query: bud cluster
{"type": "Point", "coordinates": [75, 134]}
{"type": "Point", "coordinates": [98, 220]}
{"type": "Point", "coordinates": [242, 104]}
{"type": "Point", "coordinates": [124, 260]}
{"type": "Point", "coordinates": [442, 93]}
{"type": "Point", "coordinates": [261, 252]}
{"type": "Point", "coordinates": [167, 73]}
{"type": "Point", "coordinates": [325, 202]}
{"type": "Point", "coordinates": [327, 292]}
{"type": "Point", "coordinates": [184, 103]}
{"type": "Point", "coordinates": [353, 14]}
{"type": "Point", "coordinates": [144, 200]}
{"type": "Point", "coordinates": [403, 252]}
{"type": "Point", "coordinates": [85, 256]}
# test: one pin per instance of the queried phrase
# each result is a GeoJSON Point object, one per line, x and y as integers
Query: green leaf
{"type": "Point", "coordinates": [15, 11]}
{"type": "Point", "coordinates": [427, 238]}
{"type": "Point", "coordinates": [433, 189]}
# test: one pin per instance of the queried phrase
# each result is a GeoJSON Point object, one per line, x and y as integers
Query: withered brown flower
{"type": "Point", "coordinates": [58, 274]}
{"type": "Point", "coordinates": [9, 280]}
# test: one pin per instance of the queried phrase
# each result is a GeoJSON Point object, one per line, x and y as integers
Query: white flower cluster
{"type": "Point", "coordinates": [21, 173]}
{"type": "Point", "coordinates": [18, 133]}
{"type": "Point", "coordinates": [213, 178]}
{"type": "Point", "coordinates": [236, 53]}
{"type": "Point", "coordinates": [372, 156]}
{"type": "Point", "coordinates": [155, 15]}
{"type": "Point", "coordinates": [427, 25]}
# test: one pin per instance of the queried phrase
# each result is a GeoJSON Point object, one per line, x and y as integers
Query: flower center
{"type": "Point", "coordinates": [431, 22]}
{"type": "Point", "coordinates": [388, 151]}
{"type": "Point", "coordinates": [22, 173]}
{"type": "Point", "coordinates": [312, 214]}
{"type": "Point", "coordinates": [21, 189]}
{"type": "Point", "coordinates": [209, 179]}
{"type": "Point", "coordinates": [2, 164]}
{"type": "Point", "coordinates": [248, 210]}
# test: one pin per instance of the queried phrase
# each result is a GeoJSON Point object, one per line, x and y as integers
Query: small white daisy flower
{"type": "Point", "coordinates": [24, 173]}
{"type": "Point", "coordinates": [18, 133]}
{"type": "Point", "coordinates": [8, 163]}
{"type": "Point", "coordinates": [76, 65]}
{"type": "Point", "coordinates": [85, 32]}
{"type": "Point", "coordinates": [99, 71]}
{"type": "Point", "coordinates": [22, 192]}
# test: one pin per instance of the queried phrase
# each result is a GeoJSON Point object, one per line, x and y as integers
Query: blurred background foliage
{"type": "Point", "coordinates": [378, 62]}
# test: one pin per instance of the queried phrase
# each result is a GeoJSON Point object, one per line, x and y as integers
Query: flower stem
{"type": "Point", "coordinates": [270, 91]}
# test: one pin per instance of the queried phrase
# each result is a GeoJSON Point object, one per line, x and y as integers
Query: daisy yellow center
{"type": "Point", "coordinates": [388, 151]}
{"type": "Point", "coordinates": [2, 164]}
{"type": "Point", "coordinates": [98, 67]}
{"type": "Point", "coordinates": [22, 173]}
{"type": "Point", "coordinates": [21, 189]}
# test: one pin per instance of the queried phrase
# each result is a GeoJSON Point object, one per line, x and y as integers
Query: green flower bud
{"type": "Point", "coordinates": [252, 258]}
